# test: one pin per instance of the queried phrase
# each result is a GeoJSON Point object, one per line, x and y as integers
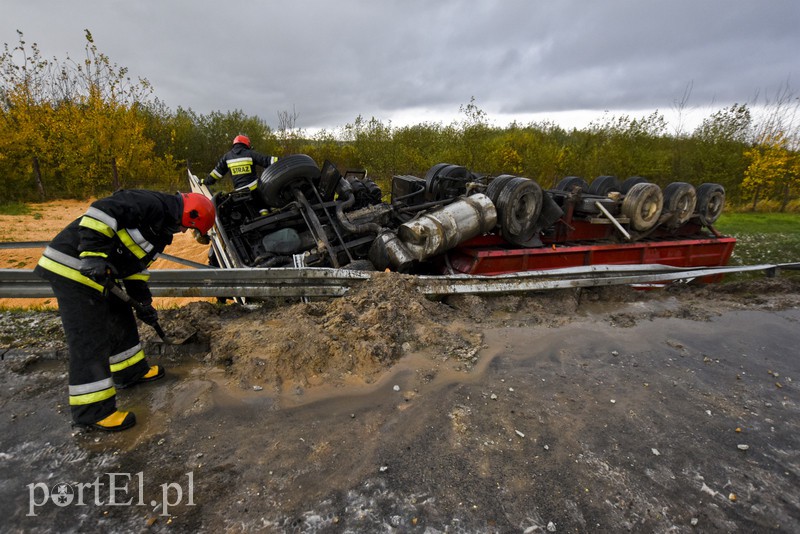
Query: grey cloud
{"type": "Point", "coordinates": [332, 61]}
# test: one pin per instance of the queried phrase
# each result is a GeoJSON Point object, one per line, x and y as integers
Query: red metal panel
{"type": "Point", "coordinates": [488, 256]}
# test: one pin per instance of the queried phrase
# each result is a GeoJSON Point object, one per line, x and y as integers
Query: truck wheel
{"type": "Point", "coordinates": [710, 201]}
{"type": "Point", "coordinates": [518, 207]}
{"type": "Point", "coordinates": [496, 185]}
{"type": "Point", "coordinates": [275, 182]}
{"type": "Point", "coordinates": [642, 205]}
{"type": "Point", "coordinates": [571, 182]}
{"type": "Point", "coordinates": [448, 182]}
{"type": "Point", "coordinates": [603, 185]}
{"type": "Point", "coordinates": [430, 176]}
{"type": "Point", "coordinates": [630, 182]}
{"type": "Point", "coordinates": [680, 198]}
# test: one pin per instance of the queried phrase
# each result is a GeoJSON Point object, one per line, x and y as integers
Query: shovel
{"type": "Point", "coordinates": [118, 292]}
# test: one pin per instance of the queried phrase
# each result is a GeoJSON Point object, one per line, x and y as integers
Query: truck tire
{"type": "Point", "coordinates": [518, 207]}
{"type": "Point", "coordinates": [275, 182]}
{"type": "Point", "coordinates": [680, 198]}
{"type": "Point", "coordinates": [447, 183]}
{"type": "Point", "coordinates": [496, 185]}
{"type": "Point", "coordinates": [630, 182]}
{"type": "Point", "coordinates": [642, 205]}
{"type": "Point", "coordinates": [603, 185]}
{"type": "Point", "coordinates": [710, 201]}
{"type": "Point", "coordinates": [430, 176]}
{"type": "Point", "coordinates": [571, 182]}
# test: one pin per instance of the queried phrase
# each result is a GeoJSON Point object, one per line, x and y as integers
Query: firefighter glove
{"type": "Point", "coordinates": [200, 238]}
{"type": "Point", "coordinates": [147, 314]}
{"type": "Point", "coordinates": [96, 268]}
{"type": "Point", "coordinates": [208, 180]}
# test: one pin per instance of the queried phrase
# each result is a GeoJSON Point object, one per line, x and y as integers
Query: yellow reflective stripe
{"type": "Point", "coordinates": [97, 226]}
{"type": "Point", "coordinates": [215, 174]}
{"type": "Point", "coordinates": [252, 185]}
{"type": "Point", "coordinates": [130, 244]}
{"type": "Point", "coordinates": [125, 354]}
{"type": "Point", "coordinates": [139, 239]}
{"type": "Point", "coordinates": [136, 358]}
{"type": "Point", "coordinates": [87, 253]}
{"type": "Point", "coordinates": [68, 272]}
{"type": "Point", "coordinates": [89, 398]}
{"type": "Point", "coordinates": [91, 387]}
{"type": "Point", "coordinates": [143, 276]}
{"type": "Point", "coordinates": [102, 216]}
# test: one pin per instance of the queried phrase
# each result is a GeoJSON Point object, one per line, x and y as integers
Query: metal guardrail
{"type": "Point", "coordinates": [588, 276]}
{"type": "Point", "coordinates": [324, 282]}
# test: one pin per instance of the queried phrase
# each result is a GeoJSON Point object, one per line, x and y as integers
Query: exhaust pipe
{"type": "Point", "coordinates": [443, 229]}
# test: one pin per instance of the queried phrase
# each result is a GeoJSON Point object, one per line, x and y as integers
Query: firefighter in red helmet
{"type": "Point", "coordinates": [114, 242]}
{"type": "Point", "coordinates": [240, 161]}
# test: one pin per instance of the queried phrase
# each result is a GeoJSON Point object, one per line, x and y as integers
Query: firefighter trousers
{"type": "Point", "coordinates": [104, 348]}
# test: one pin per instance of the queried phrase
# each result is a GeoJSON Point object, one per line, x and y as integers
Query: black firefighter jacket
{"type": "Point", "coordinates": [241, 162]}
{"type": "Point", "coordinates": [129, 229]}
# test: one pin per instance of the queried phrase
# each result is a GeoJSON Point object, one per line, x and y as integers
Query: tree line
{"type": "Point", "coordinates": [82, 128]}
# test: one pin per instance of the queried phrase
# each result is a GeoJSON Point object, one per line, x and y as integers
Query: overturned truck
{"type": "Point", "coordinates": [453, 220]}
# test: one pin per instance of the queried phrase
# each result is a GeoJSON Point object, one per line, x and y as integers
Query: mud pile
{"type": "Point", "coordinates": [358, 336]}
{"type": "Point", "coordinates": [284, 343]}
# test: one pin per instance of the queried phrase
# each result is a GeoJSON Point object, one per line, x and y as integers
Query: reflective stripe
{"type": "Point", "coordinates": [87, 253]}
{"type": "Point", "coordinates": [136, 358]}
{"type": "Point", "coordinates": [92, 387]}
{"type": "Point", "coordinates": [273, 159]}
{"type": "Point", "coordinates": [68, 272]}
{"type": "Point", "coordinates": [125, 354]}
{"type": "Point", "coordinates": [98, 226]}
{"type": "Point", "coordinates": [140, 240]}
{"type": "Point", "coordinates": [215, 174]}
{"type": "Point", "coordinates": [93, 392]}
{"type": "Point", "coordinates": [251, 186]}
{"type": "Point", "coordinates": [60, 257]}
{"type": "Point", "coordinates": [89, 398]}
{"type": "Point", "coordinates": [144, 276]}
{"type": "Point", "coordinates": [239, 161]}
{"type": "Point", "coordinates": [103, 217]}
{"type": "Point", "coordinates": [133, 241]}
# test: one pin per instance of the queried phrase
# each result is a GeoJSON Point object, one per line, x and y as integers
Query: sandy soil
{"type": "Point", "coordinates": [595, 410]}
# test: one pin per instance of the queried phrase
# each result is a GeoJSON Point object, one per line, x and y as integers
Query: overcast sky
{"type": "Point", "coordinates": [412, 61]}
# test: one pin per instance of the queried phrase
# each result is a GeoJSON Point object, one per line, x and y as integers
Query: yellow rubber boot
{"type": "Point", "coordinates": [116, 421]}
{"type": "Point", "coordinates": [154, 373]}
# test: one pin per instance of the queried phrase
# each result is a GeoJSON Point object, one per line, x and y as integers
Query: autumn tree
{"type": "Point", "coordinates": [77, 123]}
{"type": "Point", "coordinates": [773, 161]}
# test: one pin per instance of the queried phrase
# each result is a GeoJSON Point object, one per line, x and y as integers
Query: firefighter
{"type": "Point", "coordinates": [114, 242]}
{"type": "Point", "coordinates": [241, 161]}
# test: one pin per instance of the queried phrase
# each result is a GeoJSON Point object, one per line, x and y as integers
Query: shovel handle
{"type": "Point", "coordinates": [117, 291]}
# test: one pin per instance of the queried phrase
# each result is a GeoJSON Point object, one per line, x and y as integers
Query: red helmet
{"type": "Point", "coordinates": [198, 212]}
{"type": "Point", "coordinates": [242, 139]}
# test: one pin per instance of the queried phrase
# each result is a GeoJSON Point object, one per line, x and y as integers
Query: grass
{"type": "Point", "coordinates": [15, 208]}
{"type": "Point", "coordinates": [762, 237]}
{"type": "Point", "coordinates": [764, 223]}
